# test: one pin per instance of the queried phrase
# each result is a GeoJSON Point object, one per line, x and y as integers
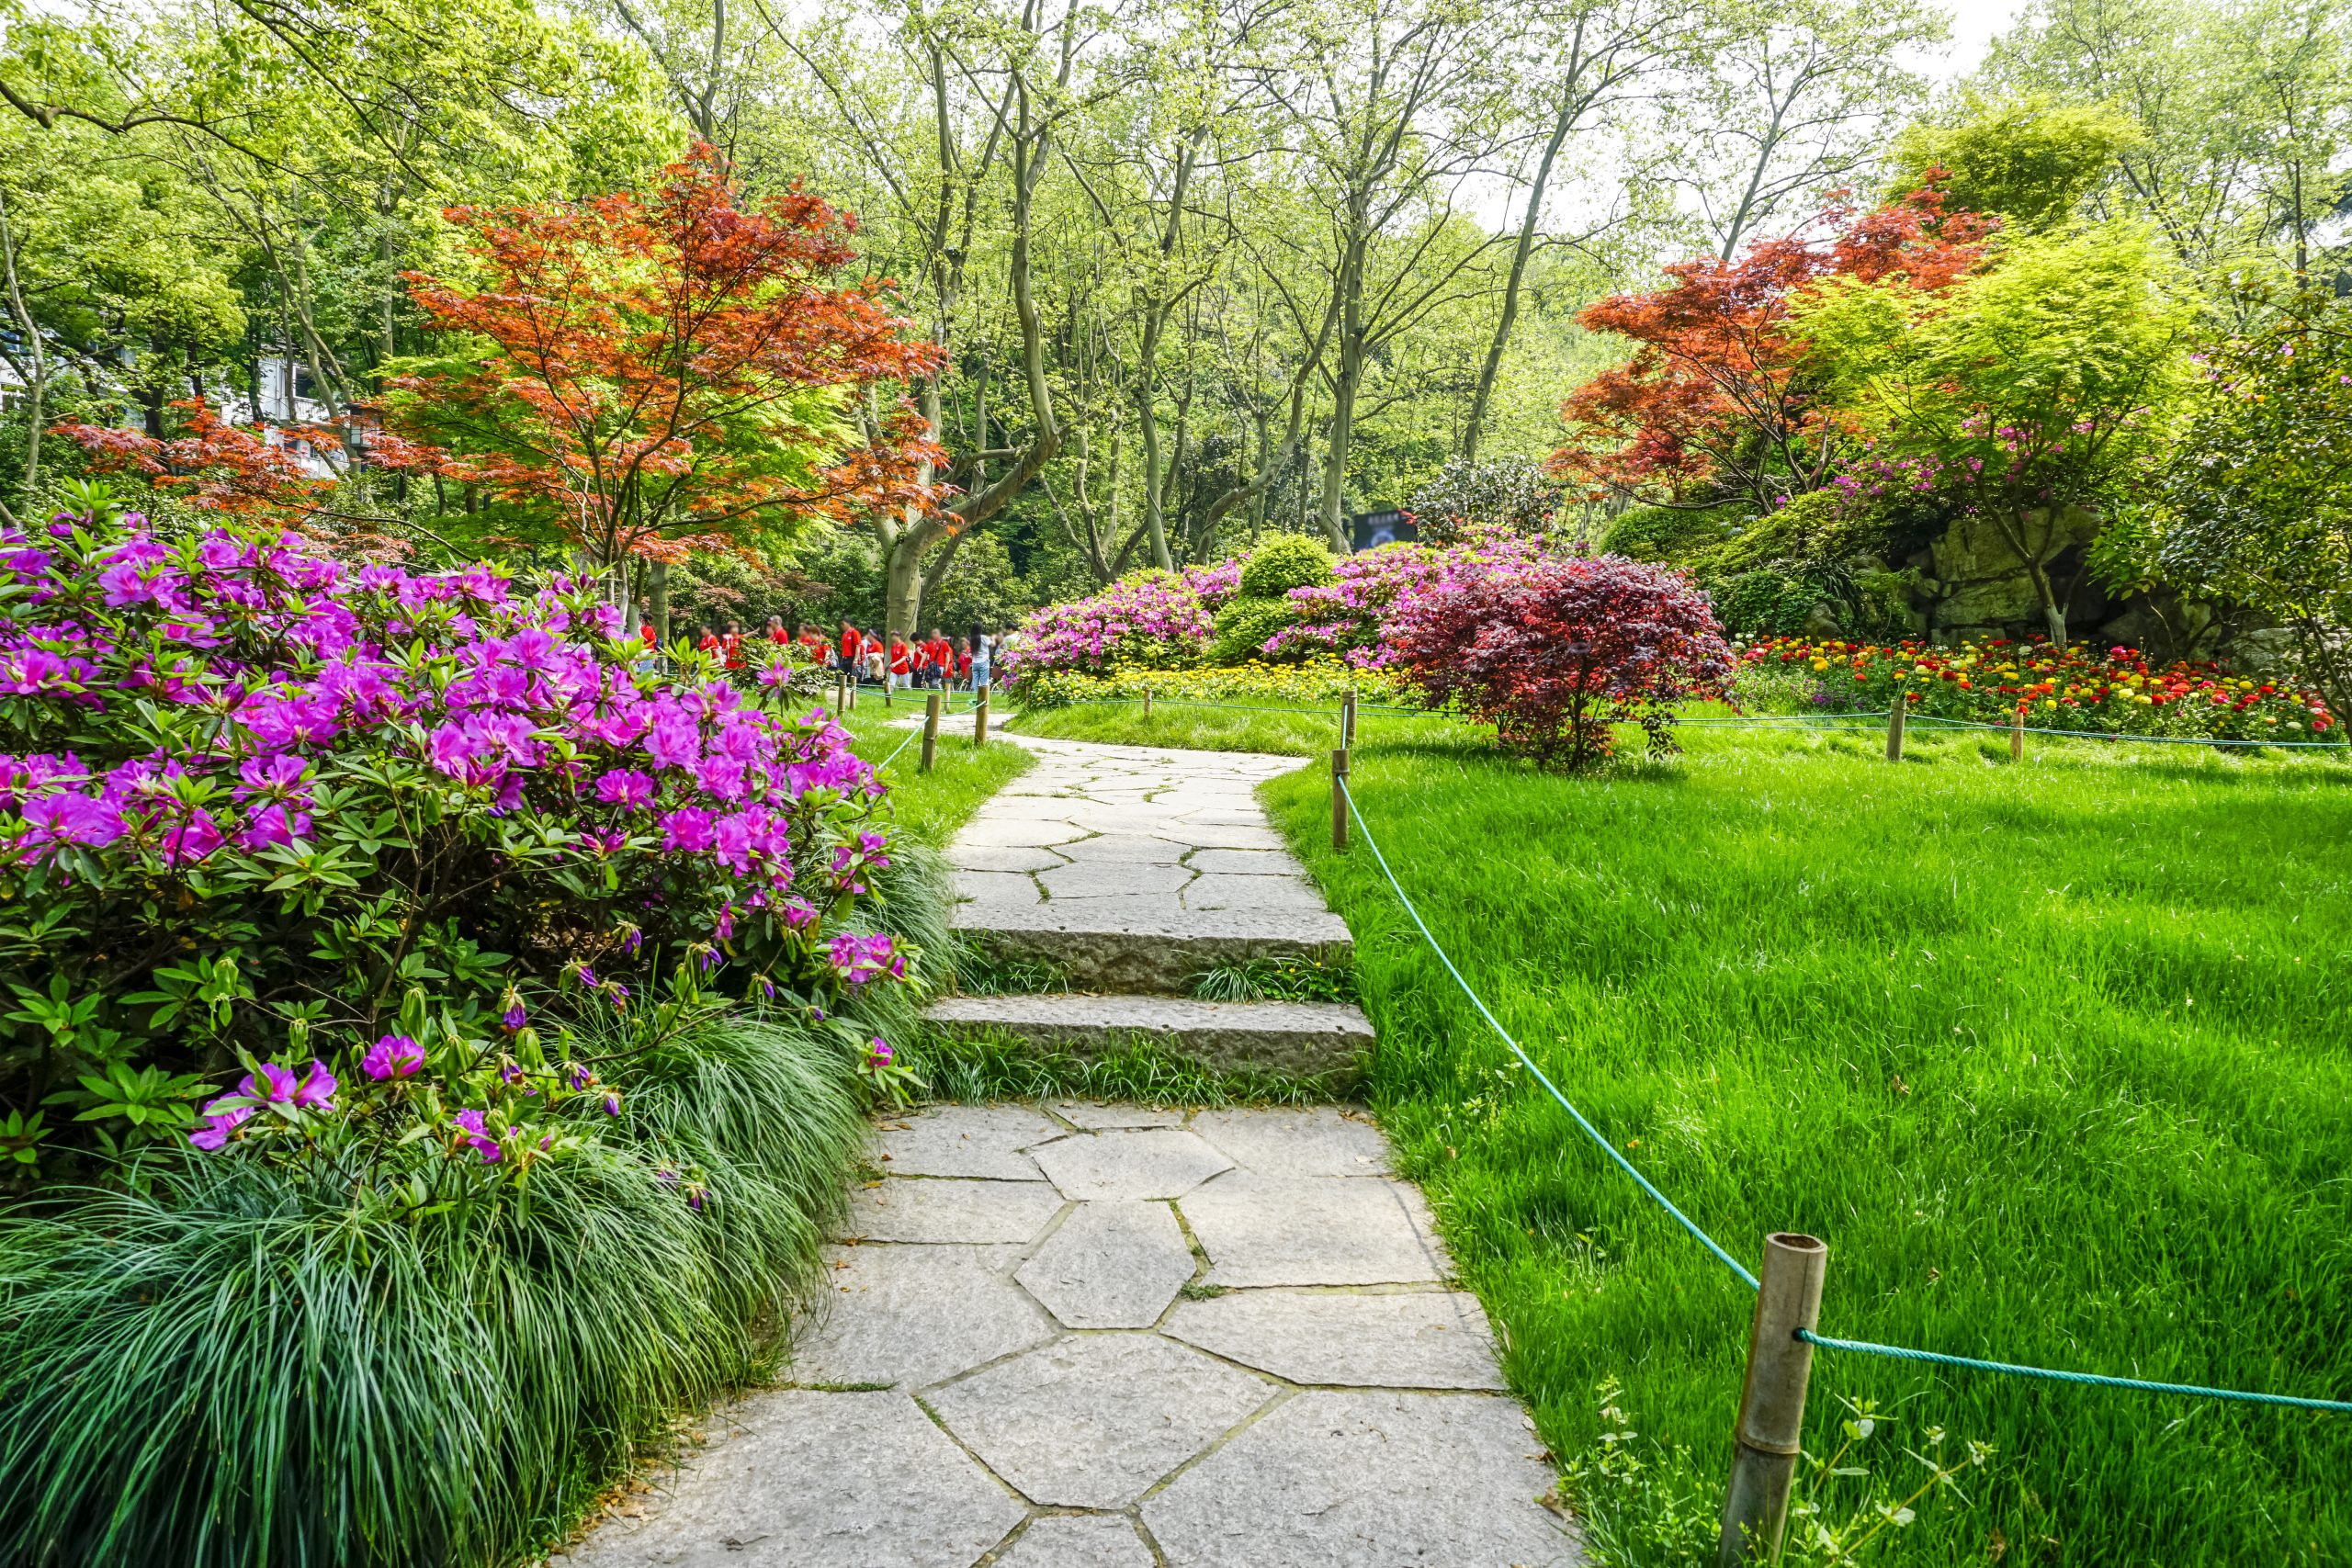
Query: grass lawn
{"type": "Point", "coordinates": [2055, 1057]}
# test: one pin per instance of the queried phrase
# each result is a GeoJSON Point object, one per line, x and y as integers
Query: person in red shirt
{"type": "Point", "coordinates": [813, 642]}
{"type": "Point", "coordinates": [775, 633]}
{"type": "Point", "coordinates": [733, 645]}
{"type": "Point", "coordinates": [962, 664]}
{"type": "Point", "coordinates": [709, 642]}
{"type": "Point", "coordinates": [850, 646]}
{"type": "Point", "coordinates": [936, 653]}
{"type": "Point", "coordinates": [899, 663]}
{"type": "Point", "coordinates": [877, 668]}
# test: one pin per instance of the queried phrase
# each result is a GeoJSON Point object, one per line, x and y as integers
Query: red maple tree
{"type": "Point", "coordinates": [1716, 393]}
{"type": "Point", "coordinates": [649, 374]}
{"type": "Point", "coordinates": [214, 466]}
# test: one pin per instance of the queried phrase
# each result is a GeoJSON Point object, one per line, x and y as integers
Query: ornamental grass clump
{"type": "Point", "coordinates": [1554, 650]}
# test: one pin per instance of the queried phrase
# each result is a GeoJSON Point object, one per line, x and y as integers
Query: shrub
{"type": "Point", "coordinates": [1667, 533]}
{"type": "Point", "coordinates": [1349, 616]}
{"type": "Point", "coordinates": [1554, 652]}
{"type": "Point", "coordinates": [1148, 619]}
{"type": "Point", "coordinates": [256, 801]}
{"type": "Point", "coordinates": [1469, 498]}
{"type": "Point", "coordinates": [1282, 562]}
{"type": "Point", "coordinates": [1247, 627]}
{"type": "Point", "coordinates": [235, 1361]}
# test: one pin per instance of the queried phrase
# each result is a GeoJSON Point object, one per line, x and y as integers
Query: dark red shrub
{"type": "Point", "coordinates": [1554, 650]}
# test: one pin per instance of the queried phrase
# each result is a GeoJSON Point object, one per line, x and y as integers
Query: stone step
{"type": "Point", "coordinates": [1298, 1039]}
{"type": "Point", "coordinates": [1146, 943]}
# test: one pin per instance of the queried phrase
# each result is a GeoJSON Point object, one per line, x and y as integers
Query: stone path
{"type": "Point", "coordinates": [1113, 1337]}
{"type": "Point", "coordinates": [1130, 869]}
{"type": "Point", "coordinates": [1117, 1337]}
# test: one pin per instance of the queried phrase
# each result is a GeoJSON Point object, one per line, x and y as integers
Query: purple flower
{"type": "Point", "coordinates": [628, 788]}
{"type": "Point", "coordinates": [514, 1018]}
{"type": "Point", "coordinates": [393, 1056]}
{"type": "Point", "coordinates": [219, 1123]}
{"type": "Point", "coordinates": [612, 1105]}
{"type": "Point", "coordinates": [475, 1135]}
{"type": "Point", "coordinates": [280, 1081]}
{"type": "Point", "coordinates": [878, 1052]}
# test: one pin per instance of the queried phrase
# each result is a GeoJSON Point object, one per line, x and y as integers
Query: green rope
{"type": "Point", "coordinates": [1591, 1131]}
{"type": "Point", "coordinates": [2092, 1380]}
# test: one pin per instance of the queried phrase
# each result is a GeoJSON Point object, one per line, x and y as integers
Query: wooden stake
{"type": "Point", "coordinates": [1771, 1407]}
{"type": "Point", "coordinates": [929, 730]}
{"type": "Point", "coordinates": [1146, 702]}
{"type": "Point", "coordinates": [1347, 719]}
{"type": "Point", "coordinates": [981, 720]}
{"type": "Point", "coordinates": [2017, 736]}
{"type": "Point", "coordinates": [1339, 800]}
{"type": "Point", "coordinates": [1895, 728]}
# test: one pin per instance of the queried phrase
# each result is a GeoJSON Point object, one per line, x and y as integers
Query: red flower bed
{"type": "Point", "coordinates": [2114, 692]}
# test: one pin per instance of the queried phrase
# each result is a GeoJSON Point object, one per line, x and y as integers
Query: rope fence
{"type": "Point", "coordinates": [1860, 1346]}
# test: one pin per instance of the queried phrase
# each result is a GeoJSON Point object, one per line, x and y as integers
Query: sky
{"type": "Point", "coordinates": [1975, 25]}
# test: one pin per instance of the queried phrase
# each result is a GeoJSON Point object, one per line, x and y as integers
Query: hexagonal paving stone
{"type": "Point", "coordinates": [1319, 1141]}
{"type": "Point", "coordinates": [1151, 1162]}
{"type": "Point", "coordinates": [1368, 1481]}
{"type": "Point", "coordinates": [817, 1481]}
{"type": "Point", "coordinates": [1110, 1265]}
{"type": "Point", "coordinates": [1092, 1422]}
{"type": "Point", "coordinates": [1267, 1230]}
{"type": "Point", "coordinates": [1389, 1339]}
{"type": "Point", "coordinates": [924, 1210]}
{"type": "Point", "coordinates": [912, 1316]}
{"type": "Point", "coordinates": [966, 1140]}
{"type": "Point", "coordinates": [1079, 1541]}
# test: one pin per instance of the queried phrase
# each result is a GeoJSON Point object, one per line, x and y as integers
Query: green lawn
{"type": "Point", "coordinates": [2055, 1057]}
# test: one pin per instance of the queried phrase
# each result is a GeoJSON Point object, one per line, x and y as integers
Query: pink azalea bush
{"type": "Point", "coordinates": [258, 805]}
{"type": "Point", "coordinates": [1147, 620]}
{"type": "Point", "coordinates": [1350, 615]}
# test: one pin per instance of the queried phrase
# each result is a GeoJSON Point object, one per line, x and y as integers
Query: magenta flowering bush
{"type": "Point", "coordinates": [1351, 616]}
{"type": "Point", "coordinates": [1147, 620]}
{"type": "Point", "coordinates": [252, 797]}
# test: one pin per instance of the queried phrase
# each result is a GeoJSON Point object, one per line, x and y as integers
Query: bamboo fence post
{"type": "Point", "coordinates": [1339, 800]}
{"type": "Point", "coordinates": [2017, 736]}
{"type": "Point", "coordinates": [981, 720]}
{"type": "Point", "coordinates": [1895, 728]}
{"type": "Point", "coordinates": [1347, 719]}
{"type": "Point", "coordinates": [1146, 702]}
{"type": "Point", "coordinates": [1767, 1440]}
{"type": "Point", "coordinates": [929, 730]}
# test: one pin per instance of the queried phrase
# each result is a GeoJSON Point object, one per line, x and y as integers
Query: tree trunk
{"type": "Point", "coordinates": [1528, 228]}
{"type": "Point", "coordinates": [36, 382]}
{"type": "Point", "coordinates": [657, 601]}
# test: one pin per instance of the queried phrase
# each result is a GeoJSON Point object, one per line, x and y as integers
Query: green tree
{"type": "Point", "coordinates": [2033, 161]}
{"type": "Point", "coordinates": [2254, 504]}
{"type": "Point", "coordinates": [2026, 391]}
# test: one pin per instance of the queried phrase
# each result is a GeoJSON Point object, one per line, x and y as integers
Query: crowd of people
{"type": "Point", "coordinates": [934, 663]}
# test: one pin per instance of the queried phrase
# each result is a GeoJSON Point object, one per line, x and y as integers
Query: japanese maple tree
{"type": "Point", "coordinates": [214, 466]}
{"type": "Point", "coordinates": [1717, 393]}
{"type": "Point", "coordinates": [643, 375]}
{"type": "Point", "coordinates": [1552, 651]}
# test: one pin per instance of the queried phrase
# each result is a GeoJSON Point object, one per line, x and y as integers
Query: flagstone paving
{"type": "Point", "coordinates": [1027, 1359]}
{"type": "Point", "coordinates": [1081, 1336]}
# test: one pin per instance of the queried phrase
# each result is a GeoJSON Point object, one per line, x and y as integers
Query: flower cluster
{"type": "Point", "coordinates": [2115, 691]}
{"type": "Point", "coordinates": [242, 783]}
{"type": "Point", "coordinates": [1320, 680]}
{"type": "Point", "coordinates": [1145, 620]}
{"type": "Point", "coordinates": [1350, 615]}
